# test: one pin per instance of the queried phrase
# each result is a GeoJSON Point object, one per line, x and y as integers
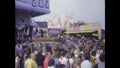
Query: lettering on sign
{"type": "Point", "coordinates": [40, 3]}
{"type": "Point", "coordinates": [47, 4]}
{"type": "Point", "coordinates": [34, 3]}
{"type": "Point", "coordinates": [37, 3]}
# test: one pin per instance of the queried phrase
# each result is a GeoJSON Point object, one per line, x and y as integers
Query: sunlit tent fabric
{"type": "Point", "coordinates": [85, 31]}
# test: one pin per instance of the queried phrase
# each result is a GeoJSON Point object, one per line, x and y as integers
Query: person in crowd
{"type": "Point", "coordinates": [70, 61]}
{"type": "Point", "coordinates": [63, 58]}
{"type": "Point", "coordinates": [21, 61]}
{"type": "Point", "coordinates": [81, 59]}
{"type": "Point", "coordinates": [61, 66]}
{"type": "Point", "coordinates": [19, 50]}
{"type": "Point", "coordinates": [56, 59]}
{"type": "Point", "coordinates": [17, 62]}
{"type": "Point", "coordinates": [38, 34]}
{"type": "Point", "coordinates": [66, 54]}
{"type": "Point", "coordinates": [51, 64]}
{"type": "Point", "coordinates": [39, 59]}
{"type": "Point", "coordinates": [97, 53]}
{"type": "Point", "coordinates": [30, 32]}
{"type": "Point", "coordinates": [35, 51]}
{"type": "Point", "coordinates": [47, 59]}
{"type": "Point", "coordinates": [101, 64]}
{"type": "Point", "coordinates": [94, 59]}
{"type": "Point", "coordinates": [27, 58]}
{"type": "Point", "coordinates": [76, 52]}
{"type": "Point", "coordinates": [76, 62]}
{"type": "Point", "coordinates": [86, 62]}
{"type": "Point", "coordinates": [32, 62]}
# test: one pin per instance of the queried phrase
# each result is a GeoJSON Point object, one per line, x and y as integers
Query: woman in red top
{"type": "Point", "coordinates": [47, 59]}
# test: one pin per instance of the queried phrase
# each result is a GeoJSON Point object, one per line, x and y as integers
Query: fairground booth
{"type": "Point", "coordinates": [88, 29]}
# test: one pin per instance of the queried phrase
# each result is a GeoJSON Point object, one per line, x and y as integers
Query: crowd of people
{"type": "Point", "coordinates": [69, 52]}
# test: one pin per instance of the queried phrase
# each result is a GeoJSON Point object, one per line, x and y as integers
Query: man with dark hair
{"type": "Point", "coordinates": [61, 66]}
{"type": "Point", "coordinates": [86, 63]}
{"type": "Point", "coordinates": [26, 61]}
{"type": "Point", "coordinates": [93, 53]}
{"type": "Point", "coordinates": [39, 59]}
{"type": "Point", "coordinates": [80, 56]}
{"type": "Point", "coordinates": [94, 59]}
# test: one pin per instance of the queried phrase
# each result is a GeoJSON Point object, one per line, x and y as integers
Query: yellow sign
{"type": "Point", "coordinates": [99, 31]}
{"type": "Point", "coordinates": [89, 27]}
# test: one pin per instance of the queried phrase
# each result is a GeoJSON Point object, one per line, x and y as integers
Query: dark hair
{"type": "Point", "coordinates": [93, 53]}
{"type": "Point", "coordinates": [72, 55]}
{"type": "Point", "coordinates": [62, 54]}
{"type": "Point", "coordinates": [57, 55]}
{"type": "Point", "coordinates": [80, 55]}
{"type": "Point", "coordinates": [102, 57]}
{"type": "Point", "coordinates": [81, 48]}
{"type": "Point", "coordinates": [87, 56]}
{"type": "Point", "coordinates": [51, 62]}
{"type": "Point", "coordinates": [26, 57]}
{"type": "Point", "coordinates": [18, 45]}
{"type": "Point", "coordinates": [60, 66]}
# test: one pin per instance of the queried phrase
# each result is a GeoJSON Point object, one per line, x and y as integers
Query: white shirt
{"type": "Point", "coordinates": [51, 67]}
{"type": "Point", "coordinates": [97, 56]}
{"type": "Point", "coordinates": [76, 52]}
{"type": "Point", "coordinates": [71, 60]}
{"type": "Point", "coordinates": [63, 60]}
{"type": "Point", "coordinates": [16, 59]}
{"type": "Point", "coordinates": [26, 62]}
{"type": "Point", "coordinates": [86, 64]}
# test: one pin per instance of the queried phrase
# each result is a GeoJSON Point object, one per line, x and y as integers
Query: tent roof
{"type": "Point", "coordinates": [87, 31]}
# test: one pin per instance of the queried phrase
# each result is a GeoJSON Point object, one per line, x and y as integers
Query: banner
{"type": "Point", "coordinates": [42, 24]}
{"type": "Point", "coordinates": [54, 31]}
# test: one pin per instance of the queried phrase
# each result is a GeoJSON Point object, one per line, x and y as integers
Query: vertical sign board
{"type": "Point", "coordinates": [99, 31]}
{"type": "Point", "coordinates": [40, 3]}
{"type": "Point", "coordinates": [42, 24]}
{"type": "Point", "coordinates": [32, 7]}
{"type": "Point", "coordinates": [36, 3]}
{"type": "Point", "coordinates": [54, 31]}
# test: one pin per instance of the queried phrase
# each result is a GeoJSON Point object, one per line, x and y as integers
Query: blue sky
{"type": "Point", "coordinates": [85, 10]}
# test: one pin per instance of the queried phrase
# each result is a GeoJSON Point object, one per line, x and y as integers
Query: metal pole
{"type": "Point", "coordinates": [44, 48]}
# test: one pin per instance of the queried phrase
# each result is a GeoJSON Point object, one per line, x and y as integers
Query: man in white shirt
{"type": "Point", "coordinates": [63, 59]}
{"type": "Point", "coordinates": [97, 54]}
{"type": "Point", "coordinates": [86, 63]}
{"type": "Point", "coordinates": [26, 62]}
